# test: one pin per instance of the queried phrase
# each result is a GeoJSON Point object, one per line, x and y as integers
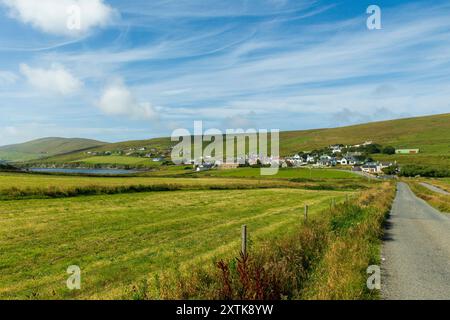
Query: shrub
{"type": "Point", "coordinates": [424, 171]}
{"type": "Point", "coordinates": [389, 150]}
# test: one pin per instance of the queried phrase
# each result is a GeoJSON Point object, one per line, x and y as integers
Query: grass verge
{"type": "Point", "coordinates": [439, 201]}
{"type": "Point", "coordinates": [326, 258]}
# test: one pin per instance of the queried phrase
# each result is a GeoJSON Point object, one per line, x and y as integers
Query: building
{"type": "Point", "coordinates": [375, 167]}
{"type": "Point", "coordinates": [225, 166]}
{"type": "Point", "coordinates": [407, 151]}
{"type": "Point", "coordinates": [370, 168]}
{"type": "Point", "coordinates": [327, 161]}
{"type": "Point", "coordinates": [296, 161]}
{"type": "Point", "coordinates": [336, 149]}
{"type": "Point", "coordinates": [310, 159]}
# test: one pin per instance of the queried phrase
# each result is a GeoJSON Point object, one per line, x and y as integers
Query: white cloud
{"type": "Point", "coordinates": [52, 16]}
{"type": "Point", "coordinates": [55, 80]}
{"type": "Point", "coordinates": [117, 100]}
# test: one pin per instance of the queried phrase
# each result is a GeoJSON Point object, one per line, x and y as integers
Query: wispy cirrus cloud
{"type": "Point", "coordinates": [276, 64]}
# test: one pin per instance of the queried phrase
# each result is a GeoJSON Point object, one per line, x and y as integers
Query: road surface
{"type": "Point", "coordinates": [434, 188]}
{"type": "Point", "coordinates": [416, 250]}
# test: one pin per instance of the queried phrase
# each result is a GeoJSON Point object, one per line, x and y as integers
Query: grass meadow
{"type": "Point", "coordinates": [15, 186]}
{"type": "Point", "coordinates": [165, 244]}
{"type": "Point", "coordinates": [118, 240]}
{"type": "Point", "coordinates": [120, 160]}
{"type": "Point", "coordinates": [284, 173]}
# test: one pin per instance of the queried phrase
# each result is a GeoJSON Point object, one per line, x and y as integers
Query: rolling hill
{"type": "Point", "coordinates": [46, 147]}
{"type": "Point", "coordinates": [431, 134]}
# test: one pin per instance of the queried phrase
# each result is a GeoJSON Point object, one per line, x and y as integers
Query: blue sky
{"type": "Point", "coordinates": [140, 69]}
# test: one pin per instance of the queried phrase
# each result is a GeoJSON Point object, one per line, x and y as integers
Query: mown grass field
{"type": "Point", "coordinates": [285, 173]}
{"type": "Point", "coordinates": [119, 240]}
{"type": "Point", "coordinates": [15, 186]}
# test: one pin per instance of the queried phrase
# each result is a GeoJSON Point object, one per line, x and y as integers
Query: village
{"type": "Point", "coordinates": [356, 158]}
{"type": "Point", "coordinates": [350, 157]}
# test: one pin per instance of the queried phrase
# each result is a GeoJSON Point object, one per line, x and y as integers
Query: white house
{"type": "Point", "coordinates": [336, 149]}
{"type": "Point", "coordinates": [370, 168]}
{"type": "Point", "coordinates": [310, 159]}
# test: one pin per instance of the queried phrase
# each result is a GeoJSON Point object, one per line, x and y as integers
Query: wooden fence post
{"type": "Point", "coordinates": [244, 240]}
{"type": "Point", "coordinates": [306, 212]}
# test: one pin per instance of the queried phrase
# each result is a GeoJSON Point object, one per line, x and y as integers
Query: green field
{"type": "Point", "coordinates": [27, 183]}
{"type": "Point", "coordinates": [120, 160]}
{"type": "Point", "coordinates": [285, 173]}
{"type": "Point", "coordinates": [422, 159]}
{"type": "Point", "coordinates": [118, 240]}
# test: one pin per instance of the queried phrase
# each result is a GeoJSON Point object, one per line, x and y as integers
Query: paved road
{"type": "Point", "coordinates": [416, 250]}
{"type": "Point", "coordinates": [434, 188]}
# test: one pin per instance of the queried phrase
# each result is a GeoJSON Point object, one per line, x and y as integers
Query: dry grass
{"type": "Point", "coordinates": [439, 201]}
{"type": "Point", "coordinates": [342, 271]}
{"type": "Point", "coordinates": [326, 258]}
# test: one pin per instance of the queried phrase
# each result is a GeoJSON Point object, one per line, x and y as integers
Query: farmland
{"type": "Point", "coordinates": [283, 173]}
{"type": "Point", "coordinates": [120, 160]}
{"type": "Point", "coordinates": [117, 240]}
{"type": "Point", "coordinates": [18, 186]}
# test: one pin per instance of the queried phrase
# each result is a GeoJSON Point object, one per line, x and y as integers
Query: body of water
{"type": "Point", "coordinates": [83, 171]}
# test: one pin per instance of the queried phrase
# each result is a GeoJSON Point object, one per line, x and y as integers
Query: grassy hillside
{"type": "Point", "coordinates": [430, 133]}
{"type": "Point", "coordinates": [45, 147]}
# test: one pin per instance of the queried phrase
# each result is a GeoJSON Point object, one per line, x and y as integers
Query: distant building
{"type": "Point", "coordinates": [327, 161]}
{"type": "Point", "coordinates": [225, 166]}
{"type": "Point", "coordinates": [310, 159]}
{"type": "Point", "coordinates": [407, 151]}
{"type": "Point", "coordinates": [336, 149]}
{"type": "Point", "coordinates": [370, 168]}
{"type": "Point", "coordinates": [375, 167]}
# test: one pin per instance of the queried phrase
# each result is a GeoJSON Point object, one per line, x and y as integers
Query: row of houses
{"type": "Point", "coordinates": [323, 160]}
{"type": "Point", "coordinates": [339, 148]}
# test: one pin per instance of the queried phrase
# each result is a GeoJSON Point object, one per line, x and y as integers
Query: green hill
{"type": "Point", "coordinates": [431, 134]}
{"type": "Point", "coordinates": [45, 147]}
